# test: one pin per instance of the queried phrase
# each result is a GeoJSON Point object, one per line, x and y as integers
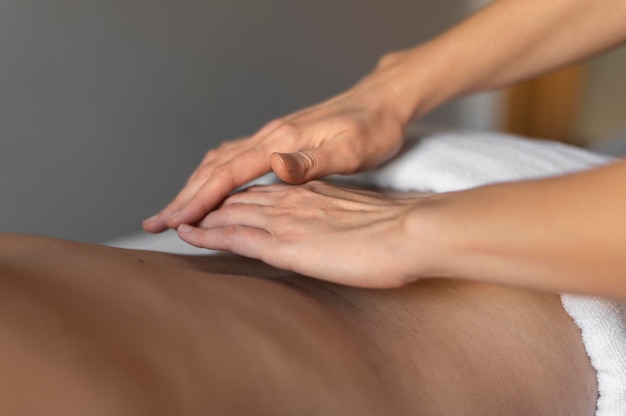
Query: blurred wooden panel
{"type": "Point", "coordinates": [546, 107]}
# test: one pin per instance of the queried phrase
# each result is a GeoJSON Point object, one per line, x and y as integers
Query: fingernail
{"type": "Point", "coordinates": [184, 228]}
{"type": "Point", "coordinates": [152, 218]}
{"type": "Point", "coordinates": [288, 161]}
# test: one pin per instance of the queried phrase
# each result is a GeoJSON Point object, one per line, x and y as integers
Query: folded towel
{"type": "Point", "coordinates": [448, 161]}
{"type": "Point", "coordinates": [451, 161]}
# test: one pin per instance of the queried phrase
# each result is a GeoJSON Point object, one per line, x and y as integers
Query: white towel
{"type": "Point", "coordinates": [451, 161]}
{"type": "Point", "coordinates": [445, 161]}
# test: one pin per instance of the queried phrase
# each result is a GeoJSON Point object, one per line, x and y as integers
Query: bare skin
{"type": "Point", "coordinates": [513, 233]}
{"type": "Point", "coordinates": [95, 330]}
{"type": "Point", "coordinates": [505, 42]}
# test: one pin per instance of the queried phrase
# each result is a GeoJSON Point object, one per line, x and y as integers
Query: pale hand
{"type": "Point", "coordinates": [357, 238]}
{"type": "Point", "coordinates": [354, 131]}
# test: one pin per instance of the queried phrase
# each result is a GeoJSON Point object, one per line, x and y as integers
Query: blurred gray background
{"type": "Point", "coordinates": [106, 106]}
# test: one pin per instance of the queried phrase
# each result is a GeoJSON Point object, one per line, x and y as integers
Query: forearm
{"type": "Point", "coordinates": [564, 234]}
{"type": "Point", "coordinates": [508, 41]}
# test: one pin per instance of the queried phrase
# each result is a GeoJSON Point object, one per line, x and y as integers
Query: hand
{"type": "Point", "coordinates": [354, 131]}
{"type": "Point", "coordinates": [357, 238]}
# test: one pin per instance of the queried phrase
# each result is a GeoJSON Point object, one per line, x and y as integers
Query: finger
{"type": "Point", "coordinates": [224, 153]}
{"type": "Point", "coordinates": [199, 177]}
{"type": "Point", "coordinates": [239, 171]}
{"type": "Point", "coordinates": [211, 194]}
{"type": "Point", "coordinates": [158, 223]}
{"type": "Point", "coordinates": [224, 178]}
{"type": "Point", "coordinates": [248, 215]}
{"type": "Point", "coordinates": [227, 152]}
{"type": "Point", "coordinates": [242, 240]}
{"type": "Point", "coordinates": [233, 148]}
{"type": "Point", "coordinates": [267, 188]}
{"type": "Point", "coordinates": [252, 198]}
{"type": "Point", "coordinates": [300, 167]}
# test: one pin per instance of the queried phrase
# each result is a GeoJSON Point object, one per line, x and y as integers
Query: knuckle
{"type": "Point", "coordinates": [232, 199]}
{"type": "Point", "coordinates": [201, 174]}
{"type": "Point", "coordinates": [232, 142]}
{"type": "Point", "coordinates": [223, 147]}
{"type": "Point", "coordinates": [232, 231]}
{"type": "Point", "coordinates": [232, 209]}
{"type": "Point", "coordinates": [295, 194]}
{"type": "Point", "coordinates": [224, 175]}
{"type": "Point", "coordinates": [286, 130]}
{"type": "Point", "coordinates": [222, 170]}
{"type": "Point", "coordinates": [268, 127]}
{"type": "Point", "coordinates": [227, 146]}
{"type": "Point", "coordinates": [389, 59]}
{"type": "Point", "coordinates": [204, 171]}
{"type": "Point", "coordinates": [231, 234]}
{"type": "Point", "coordinates": [211, 155]}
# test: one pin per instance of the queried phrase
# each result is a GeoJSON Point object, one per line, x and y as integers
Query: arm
{"type": "Point", "coordinates": [506, 42]}
{"type": "Point", "coordinates": [363, 127]}
{"type": "Point", "coordinates": [565, 234]}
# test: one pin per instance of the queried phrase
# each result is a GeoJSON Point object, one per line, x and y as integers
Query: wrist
{"type": "Point", "coordinates": [395, 72]}
{"type": "Point", "coordinates": [417, 80]}
{"type": "Point", "coordinates": [427, 238]}
{"type": "Point", "coordinates": [390, 88]}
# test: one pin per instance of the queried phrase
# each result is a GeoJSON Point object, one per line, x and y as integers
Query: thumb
{"type": "Point", "coordinates": [301, 167]}
{"type": "Point", "coordinates": [330, 158]}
